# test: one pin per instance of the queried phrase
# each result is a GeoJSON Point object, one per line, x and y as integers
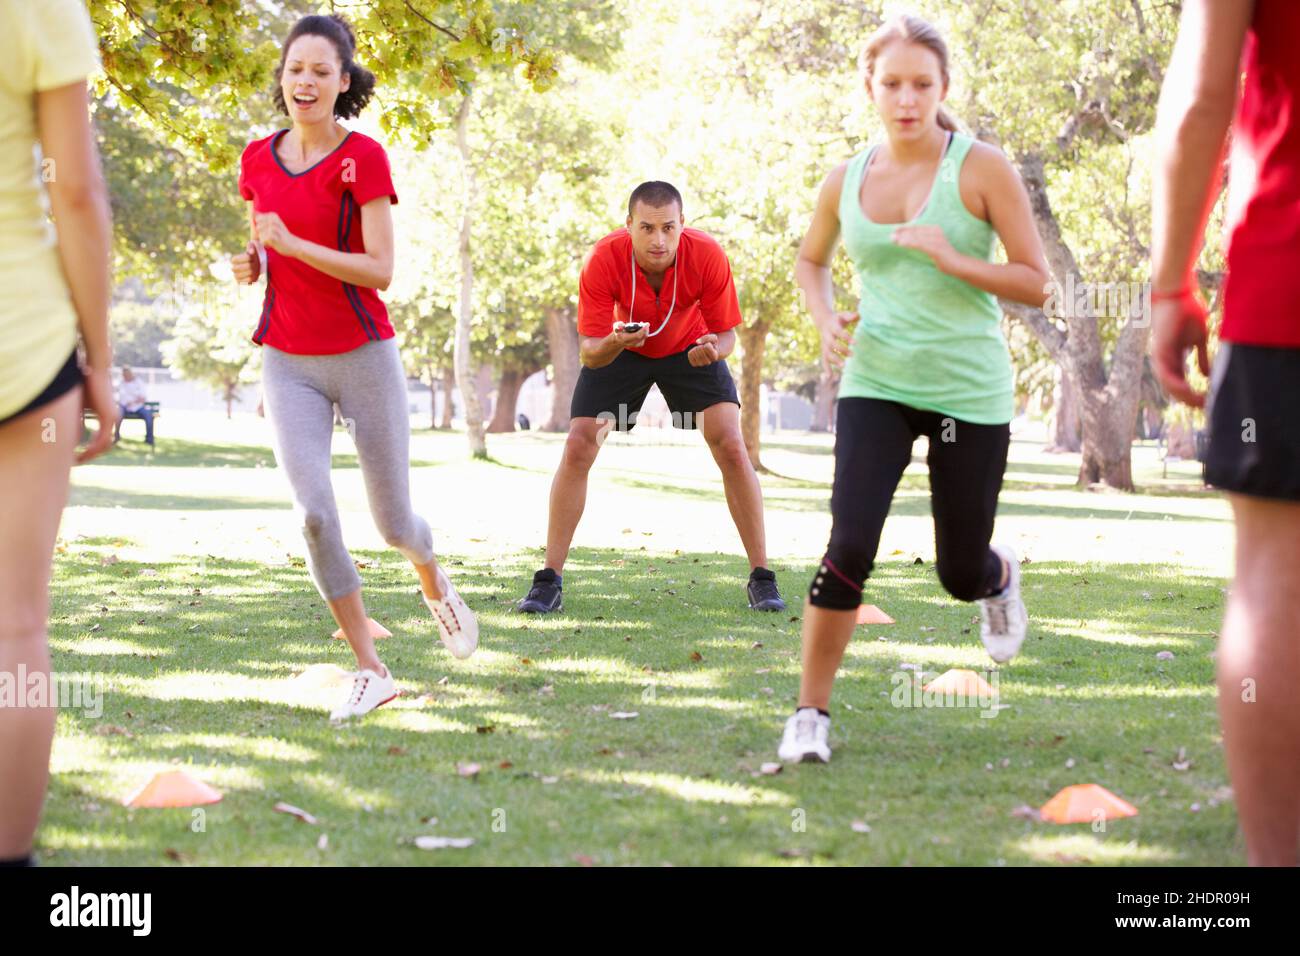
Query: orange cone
{"type": "Point", "coordinates": [1084, 803]}
{"type": "Point", "coordinates": [377, 631]}
{"type": "Point", "coordinates": [960, 683]}
{"type": "Point", "coordinates": [870, 614]}
{"type": "Point", "coordinates": [174, 788]}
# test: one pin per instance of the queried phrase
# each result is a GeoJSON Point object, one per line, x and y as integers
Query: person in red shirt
{"type": "Point", "coordinates": [1254, 402]}
{"type": "Point", "coordinates": [656, 306]}
{"type": "Point", "coordinates": [320, 200]}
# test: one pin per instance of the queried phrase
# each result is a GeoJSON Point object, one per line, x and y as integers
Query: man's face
{"type": "Point", "coordinates": [655, 234]}
{"type": "Point", "coordinates": [128, 375]}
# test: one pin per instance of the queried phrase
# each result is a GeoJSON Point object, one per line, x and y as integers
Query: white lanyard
{"type": "Point", "coordinates": [677, 269]}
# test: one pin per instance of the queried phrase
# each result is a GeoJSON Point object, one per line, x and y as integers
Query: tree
{"type": "Point", "coordinates": [211, 343]}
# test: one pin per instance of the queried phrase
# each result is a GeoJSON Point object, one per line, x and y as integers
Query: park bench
{"type": "Point", "coordinates": [154, 407]}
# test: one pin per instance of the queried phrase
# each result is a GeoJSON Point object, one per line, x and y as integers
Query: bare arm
{"type": "Point", "coordinates": [1196, 106]}
{"type": "Point", "coordinates": [812, 272]}
{"type": "Point", "coordinates": [372, 269]}
{"type": "Point", "coordinates": [79, 203]}
{"type": "Point", "coordinates": [599, 351]}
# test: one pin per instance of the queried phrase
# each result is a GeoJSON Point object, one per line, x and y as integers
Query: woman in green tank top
{"type": "Point", "coordinates": [922, 355]}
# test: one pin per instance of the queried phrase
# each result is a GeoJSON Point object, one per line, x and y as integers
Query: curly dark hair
{"type": "Point", "coordinates": [339, 32]}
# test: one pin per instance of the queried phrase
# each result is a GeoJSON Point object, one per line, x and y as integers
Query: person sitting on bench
{"type": "Point", "coordinates": [131, 400]}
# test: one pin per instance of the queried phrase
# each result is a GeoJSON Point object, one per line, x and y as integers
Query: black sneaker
{"type": "Point", "coordinates": [546, 594]}
{"type": "Point", "coordinates": [763, 595]}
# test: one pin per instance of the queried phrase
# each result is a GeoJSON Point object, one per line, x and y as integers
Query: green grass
{"type": "Point", "coordinates": [201, 624]}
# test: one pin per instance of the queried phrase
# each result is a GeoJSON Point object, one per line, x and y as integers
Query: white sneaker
{"type": "Point", "coordinates": [456, 622]}
{"type": "Point", "coordinates": [805, 737]}
{"type": "Point", "coordinates": [1004, 620]}
{"type": "Point", "coordinates": [368, 691]}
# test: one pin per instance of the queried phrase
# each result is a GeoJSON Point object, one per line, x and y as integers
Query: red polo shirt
{"type": "Point", "coordinates": [306, 311]}
{"type": "Point", "coordinates": [1261, 296]}
{"type": "Point", "coordinates": [706, 293]}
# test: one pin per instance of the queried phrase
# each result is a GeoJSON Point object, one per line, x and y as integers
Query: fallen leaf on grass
{"type": "Point", "coordinates": [486, 729]}
{"type": "Point", "coordinates": [396, 751]}
{"type": "Point", "coordinates": [1181, 762]}
{"type": "Point", "coordinates": [860, 826]}
{"type": "Point", "coordinates": [583, 860]}
{"type": "Point", "coordinates": [295, 812]}
{"type": "Point", "coordinates": [770, 769]}
{"type": "Point", "coordinates": [696, 656]}
{"type": "Point", "coordinates": [469, 770]}
{"type": "Point", "coordinates": [1024, 812]}
{"type": "Point", "coordinates": [323, 842]}
{"type": "Point", "coordinates": [1165, 656]}
{"type": "Point", "coordinates": [443, 843]}
{"type": "Point", "coordinates": [624, 714]}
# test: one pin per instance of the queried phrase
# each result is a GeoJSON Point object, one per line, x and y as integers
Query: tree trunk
{"type": "Point", "coordinates": [431, 375]}
{"type": "Point", "coordinates": [465, 317]}
{"type": "Point", "coordinates": [503, 418]}
{"type": "Point", "coordinates": [1107, 399]}
{"type": "Point", "coordinates": [753, 342]}
{"type": "Point", "coordinates": [1107, 438]}
{"type": "Point", "coordinates": [230, 400]}
{"type": "Point", "coordinates": [448, 388]}
{"type": "Point", "coordinates": [828, 384]}
{"type": "Point", "coordinates": [562, 339]}
{"type": "Point", "coordinates": [1065, 416]}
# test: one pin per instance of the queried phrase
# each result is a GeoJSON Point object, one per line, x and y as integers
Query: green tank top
{"type": "Point", "coordinates": [924, 338]}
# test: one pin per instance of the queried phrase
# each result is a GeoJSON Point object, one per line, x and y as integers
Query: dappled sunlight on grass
{"type": "Point", "coordinates": [1079, 848]}
{"type": "Point", "coordinates": [687, 788]}
{"type": "Point", "coordinates": [199, 652]}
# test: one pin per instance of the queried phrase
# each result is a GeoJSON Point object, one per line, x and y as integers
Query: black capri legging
{"type": "Point", "coordinates": [873, 445]}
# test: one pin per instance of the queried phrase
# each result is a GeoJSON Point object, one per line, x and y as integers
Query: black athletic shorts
{"type": "Point", "coordinates": [68, 378]}
{"type": "Point", "coordinates": [617, 391]}
{"type": "Point", "coordinates": [1254, 418]}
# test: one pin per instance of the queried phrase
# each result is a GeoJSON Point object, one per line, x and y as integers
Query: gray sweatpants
{"type": "Point", "coordinates": [370, 388]}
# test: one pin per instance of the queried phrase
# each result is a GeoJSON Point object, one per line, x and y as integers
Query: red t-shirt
{"type": "Point", "coordinates": [706, 293]}
{"type": "Point", "coordinates": [306, 311]}
{"type": "Point", "coordinates": [1261, 296]}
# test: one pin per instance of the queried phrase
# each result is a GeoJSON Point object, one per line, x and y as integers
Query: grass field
{"type": "Point", "coordinates": [179, 582]}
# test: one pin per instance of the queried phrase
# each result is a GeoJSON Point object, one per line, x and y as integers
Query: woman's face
{"type": "Point", "coordinates": [907, 87]}
{"type": "Point", "coordinates": [312, 79]}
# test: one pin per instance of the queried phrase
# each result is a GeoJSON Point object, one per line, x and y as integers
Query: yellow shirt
{"type": "Point", "coordinates": [44, 44]}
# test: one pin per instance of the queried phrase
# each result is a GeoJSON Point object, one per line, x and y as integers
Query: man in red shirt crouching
{"type": "Point", "coordinates": [656, 306]}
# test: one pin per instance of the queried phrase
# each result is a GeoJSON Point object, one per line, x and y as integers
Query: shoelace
{"type": "Point", "coordinates": [996, 613]}
{"type": "Point", "coordinates": [446, 603]}
{"type": "Point", "coordinates": [359, 684]}
{"type": "Point", "coordinates": [805, 729]}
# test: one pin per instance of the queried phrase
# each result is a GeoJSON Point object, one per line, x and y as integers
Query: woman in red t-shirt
{"type": "Point", "coordinates": [1226, 47]}
{"type": "Point", "coordinates": [320, 213]}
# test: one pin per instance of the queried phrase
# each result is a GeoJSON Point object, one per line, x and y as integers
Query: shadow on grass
{"type": "Point", "coordinates": [184, 453]}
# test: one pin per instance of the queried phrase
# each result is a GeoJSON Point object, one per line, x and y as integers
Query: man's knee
{"type": "Point", "coordinates": [581, 447]}
{"type": "Point", "coordinates": [729, 449]}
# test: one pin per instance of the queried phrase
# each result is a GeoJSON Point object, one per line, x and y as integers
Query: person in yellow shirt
{"type": "Point", "coordinates": [48, 49]}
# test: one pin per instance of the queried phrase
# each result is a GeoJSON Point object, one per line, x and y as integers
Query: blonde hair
{"type": "Point", "coordinates": [912, 29]}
